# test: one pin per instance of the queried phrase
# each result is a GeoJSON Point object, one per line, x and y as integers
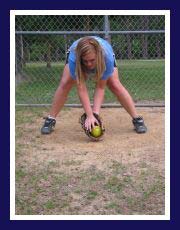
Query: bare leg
{"type": "Point", "coordinates": [122, 94]}
{"type": "Point", "coordinates": [62, 91]}
{"type": "Point", "coordinates": [59, 99]}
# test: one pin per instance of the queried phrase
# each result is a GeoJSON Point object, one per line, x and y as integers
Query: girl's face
{"type": "Point", "coordinates": [89, 60]}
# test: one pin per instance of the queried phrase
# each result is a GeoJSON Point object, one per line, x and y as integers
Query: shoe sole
{"type": "Point", "coordinates": [46, 132]}
{"type": "Point", "coordinates": [141, 131]}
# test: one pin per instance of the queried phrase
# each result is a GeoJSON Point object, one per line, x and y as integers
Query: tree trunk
{"type": "Point", "coordinates": [87, 23]}
{"type": "Point", "coordinates": [129, 47]}
{"type": "Point", "coordinates": [158, 49]}
{"type": "Point", "coordinates": [144, 46]}
{"type": "Point", "coordinates": [145, 26]}
{"type": "Point", "coordinates": [19, 53]}
{"type": "Point", "coordinates": [48, 56]}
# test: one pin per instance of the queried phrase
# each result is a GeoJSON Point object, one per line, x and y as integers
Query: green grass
{"type": "Point", "coordinates": [52, 192]}
{"type": "Point", "coordinates": [20, 174]}
{"type": "Point", "coordinates": [91, 195]}
{"type": "Point", "coordinates": [144, 79]}
{"type": "Point", "coordinates": [49, 205]}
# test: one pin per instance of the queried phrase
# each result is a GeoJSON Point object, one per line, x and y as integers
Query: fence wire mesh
{"type": "Point", "coordinates": [42, 42]}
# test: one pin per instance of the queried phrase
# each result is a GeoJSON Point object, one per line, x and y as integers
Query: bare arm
{"type": "Point", "coordinates": [84, 98]}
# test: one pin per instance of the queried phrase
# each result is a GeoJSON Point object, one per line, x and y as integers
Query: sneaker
{"type": "Point", "coordinates": [48, 126]}
{"type": "Point", "coordinates": [139, 125]}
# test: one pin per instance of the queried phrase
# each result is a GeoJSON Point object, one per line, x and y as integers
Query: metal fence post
{"type": "Point", "coordinates": [107, 28]}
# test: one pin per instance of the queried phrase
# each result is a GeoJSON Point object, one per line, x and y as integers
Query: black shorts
{"type": "Point", "coordinates": [115, 63]}
{"type": "Point", "coordinates": [67, 56]}
{"type": "Point", "coordinates": [68, 52]}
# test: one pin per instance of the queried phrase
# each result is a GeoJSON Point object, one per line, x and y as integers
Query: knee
{"type": "Point", "coordinates": [114, 86]}
{"type": "Point", "coordinates": [118, 89]}
{"type": "Point", "coordinates": [64, 85]}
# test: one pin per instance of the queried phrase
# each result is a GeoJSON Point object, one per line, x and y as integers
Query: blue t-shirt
{"type": "Point", "coordinates": [108, 55]}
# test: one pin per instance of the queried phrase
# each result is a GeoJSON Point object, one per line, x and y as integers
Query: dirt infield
{"type": "Point", "coordinates": [122, 174]}
{"type": "Point", "coordinates": [120, 141]}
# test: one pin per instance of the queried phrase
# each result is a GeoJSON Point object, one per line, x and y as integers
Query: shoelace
{"type": "Point", "coordinates": [138, 118]}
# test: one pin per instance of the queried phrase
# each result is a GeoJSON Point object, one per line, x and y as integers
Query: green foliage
{"type": "Point", "coordinates": [40, 45]}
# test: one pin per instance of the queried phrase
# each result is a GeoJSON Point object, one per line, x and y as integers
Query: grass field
{"type": "Point", "coordinates": [144, 79]}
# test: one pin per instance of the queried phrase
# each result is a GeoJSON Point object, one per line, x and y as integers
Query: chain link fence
{"type": "Point", "coordinates": [42, 41]}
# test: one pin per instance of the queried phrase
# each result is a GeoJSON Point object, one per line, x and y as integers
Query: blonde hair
{"type": "Point", "coordinates": [85, 46]}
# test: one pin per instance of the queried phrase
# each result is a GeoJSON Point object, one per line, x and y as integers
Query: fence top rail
{"type": "Point", "coordinates": [91, 32]}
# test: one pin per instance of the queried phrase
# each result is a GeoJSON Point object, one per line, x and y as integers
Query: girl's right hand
{"type": "Point", "coordinates": [90, 122]}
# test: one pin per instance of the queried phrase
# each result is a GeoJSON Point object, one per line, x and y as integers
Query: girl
{"type": "Point", "coordinates": [87, 57]}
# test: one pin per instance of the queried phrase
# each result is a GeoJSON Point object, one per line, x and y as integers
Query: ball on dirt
{"type": "Point", "coordinates": [96, 131]}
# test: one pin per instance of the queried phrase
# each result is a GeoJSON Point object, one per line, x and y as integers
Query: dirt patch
{"type": "Point", "coordinates": [122, 174]}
